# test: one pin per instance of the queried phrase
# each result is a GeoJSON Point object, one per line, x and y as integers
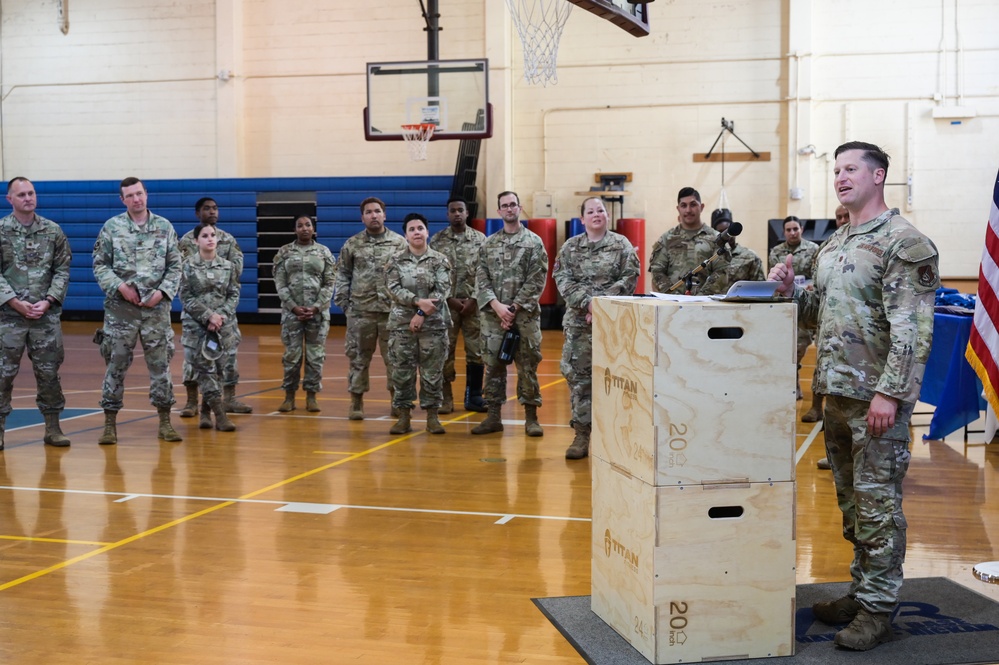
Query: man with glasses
{"type": "Point", "coordinates": [511, 275]}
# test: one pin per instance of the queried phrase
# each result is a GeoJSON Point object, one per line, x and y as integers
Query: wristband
{"type": "Point", "coordinates": [421, 313]}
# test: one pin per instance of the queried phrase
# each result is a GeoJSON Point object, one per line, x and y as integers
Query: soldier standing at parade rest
{"type": "Point", "coordinates": [803, 253]}
{"type": "Point", "coordinates": [738, 263]}
{"type": "Point", "coordinates": [595, 263]}
{"type": "Point", "coordinates": [227, 248]}
{"type": "Point", "coordinates": [875, 283]}
{"type": "Point", "coordinates": [460, 244]}
{"type": "Point", "coordinates": [362, 295]}
{"type": "Point", "coordinates": [137, 264]}
{"type": "Point", "coordinates": [419, 281]}
{"type": "Point", "coordinates": [34, 277]}
{"type": "Point", "coordinates": [684, 247]}
{"type": "Point", "coordinates": [209, 292]}
{"type": "Point", "coordinates": [304, 276]}
{"type": "Point", "coordinates": [511, 275]}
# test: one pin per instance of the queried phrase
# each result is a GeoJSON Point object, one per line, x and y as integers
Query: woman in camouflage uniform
{"type": "Point", "coordinates": [595, 263]}
{"type": "Point", "coordinates": [419, 281]}
{"type": "Point", "coordinates": [304, 275]}
{"type": "Point", "coordinates": [209, 292]}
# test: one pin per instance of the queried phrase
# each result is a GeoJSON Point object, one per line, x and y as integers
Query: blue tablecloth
{"type": "Point", "coordinates": [950, 383]}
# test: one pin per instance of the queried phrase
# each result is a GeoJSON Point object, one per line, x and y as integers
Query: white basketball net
{"type": "Point", "coordinates": [417, 138]}
{"type": "Point", "coordinates": [540, 23]}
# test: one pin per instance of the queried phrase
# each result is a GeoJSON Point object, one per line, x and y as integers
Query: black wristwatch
{"type": "Point", "coordinates": [421, 313]}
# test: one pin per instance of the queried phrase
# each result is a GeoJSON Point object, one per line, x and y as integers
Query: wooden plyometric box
{"type": "Point", "coordinates": [695, 572]}
{"type": "Point", "coordinates": [694, 392]}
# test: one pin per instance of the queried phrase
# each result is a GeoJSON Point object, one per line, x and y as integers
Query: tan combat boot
{"type": "Point", "coordinates": [222, 422]}
{"type": "Point", "coordinates": [867, 631]}
{"type": "Point", "coordinates": [53, 433]}
{"type": "Point", "coordinates": [289, 402]}
{"type": "Point", "coordinates": [836, 612]}
{"type": "Point", "coordinates": [447, 404]}
{"type": "Point", "coordinates": [205, 421]}
{"type": "Point", "coordinates": [311, 405]}
{"type": "Point", "coordinates": [433, 422]}
{"type": "Point", "coordinates": [814, 414]}
{"type": "Point", "coordinates": [231, 404]}
{"type": "Point", "coordinates": [109, 436]}
{"type": "Point", "coordinates": [402, 425]}
{"type": "Point", "coordinates": [356, 406]}
{"type": "Point", "coordinates": [166, 430]}
{"type": "Point", "coordinates": [191, 408]}
{"type": "Point", "coordinates": [492, 423]}
{"type": "Point", "coordinates": [531, 424]}
{"type": "Point", "coordinates": [580, 446]}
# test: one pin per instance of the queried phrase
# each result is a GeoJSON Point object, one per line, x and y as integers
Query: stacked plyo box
{"type": "Point", "coordinates": [692, 451]}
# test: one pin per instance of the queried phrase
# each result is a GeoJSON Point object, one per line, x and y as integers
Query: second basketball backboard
{"type": "Point", "coordinates": [630, 16]}
{"type": "Point", "coordinates": [452, 95]}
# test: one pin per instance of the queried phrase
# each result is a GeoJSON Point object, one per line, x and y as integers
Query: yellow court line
{"type": "Point", "coordinates": [225, 504]}
{"type": "Point", "coordinates": [53, 540]}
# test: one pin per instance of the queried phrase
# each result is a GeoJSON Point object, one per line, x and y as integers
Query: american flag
{"type": "Point", "coordinates": [983, 345]}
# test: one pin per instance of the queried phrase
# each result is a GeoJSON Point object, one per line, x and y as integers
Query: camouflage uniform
{"type": "Point", "coordinates": [148, 258]}
{"type": "Point", "coordinates": [206, 288]}
{"type": "Point", "coordinates": [584, 270]}
{"type": "Point", "coordinates": [742, 264]}
{"type": "Point", "coordinates": [512, 269]}
{"type": "Point", "coordinates": [411, 277]}
{"type": "Point", "coordinates": [304, 276]}
{"type": "Point", "coordinates": [361, 294]}
{"type": "Point", "coordinates": [873, 301]}
{"type": "Point", "coordinates": [34, 265]}
{"type": "Point", "coordinates": [803, 262]}
{"type": "Point", "coordinates": [677, 252]}
{"type": "Point", "coordinates": [226, 248]}
{"type": "Point", "coordinates": [462, 251]}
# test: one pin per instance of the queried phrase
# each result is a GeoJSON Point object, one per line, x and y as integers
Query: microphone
{"type": "Point", "coordinates": [734, 229]}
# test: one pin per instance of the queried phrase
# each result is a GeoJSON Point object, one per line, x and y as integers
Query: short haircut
{"type": "Point", "coordinates": [13, 181]}
{"type": "Point", "coordinates": [457, 199]}
{"type": "Point", "coordinates": [582, 206]}
{"type": "Point", "coordinates": [201, 227]}
{"type": "Point", "coordinates": [410, 217]}
{"type": "Point", "coordinates": [874, 156]}
{"type": "Point", "coordinates": [129, 181]}
{"type": "Point", "coordinates": [791, 218]}
{"type": "Point", "coordinates": [202, 201]}
{"type": "Point", "coordinates": [688, 191]}
{"type": "Point", "coordinates": [507, 193]}
{"type": "Point", "coordinates": [372, 199]}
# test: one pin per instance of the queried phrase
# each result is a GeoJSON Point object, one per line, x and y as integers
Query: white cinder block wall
{"type": "Point", "coordinates": [133, 88]}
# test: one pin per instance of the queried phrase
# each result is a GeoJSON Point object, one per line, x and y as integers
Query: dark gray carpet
{"type": "Point", "coordinates": [938, 622]}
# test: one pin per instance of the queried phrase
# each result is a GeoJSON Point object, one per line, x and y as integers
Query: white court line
{"type": "Point", "coordinates": [807, 442]}
{"type": "Point", "coordinates": [129, 496]}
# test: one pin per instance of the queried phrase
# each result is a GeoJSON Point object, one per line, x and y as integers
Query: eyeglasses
{"type": "Point", "coordinates": [509, 206]}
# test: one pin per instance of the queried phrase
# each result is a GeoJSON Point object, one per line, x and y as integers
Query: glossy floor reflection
{"type": "Point", "coordinates": [308, 538]}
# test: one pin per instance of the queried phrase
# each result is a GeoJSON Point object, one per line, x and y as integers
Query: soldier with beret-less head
{"type": "Point", "coordinates": [875, 283]}
{"type": "Point", "coordinates": [737, 263]}
{"type": "Point", "coordinates": [34, 278]}
{"type": "Point", "coordinates": [684, 247]}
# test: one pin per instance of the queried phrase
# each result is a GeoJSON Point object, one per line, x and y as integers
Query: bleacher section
{"type": "Point", "coordinates": [81, 208]}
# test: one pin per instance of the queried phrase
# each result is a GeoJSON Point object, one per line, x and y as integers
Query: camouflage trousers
{"type": "Point", "coordinates": [470, 329]}
{"type": "Point", "coordinates": [124, 325]}
{"type": "Point", "coordinates": [527, 358]}
{"type": "Point", "coordinates": [205, 372]}
{"type": "Point", "coordinates": [577, 368]}
{"type": "Point", "coordinates": [364, 331]}
{"type": "Point", "coordinates": [43, 339]}
{"type": "Point", "coordinates": [303, 340]}
{"type": "Point", "coordinates": [227, 369]}
{"type": "Point", "coordinates": [805, 337]}
{"type": "Point", "coordinates": [868, 472]}
{"type": "Point", "coordinates": [424, 351]}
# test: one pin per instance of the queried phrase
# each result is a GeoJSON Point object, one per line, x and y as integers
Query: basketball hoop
{"type": "Point", "coordinates": [417, 137]}
{"type": "Point", "coordinates": [539, 24]}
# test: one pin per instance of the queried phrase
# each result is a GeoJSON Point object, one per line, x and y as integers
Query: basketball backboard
{"type": "Point", "coordinates": [630, 16]}
{"type": "Point", "coordinates": [453, 95]}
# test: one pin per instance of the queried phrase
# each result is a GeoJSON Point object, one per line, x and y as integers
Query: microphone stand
{"type": "Point", "coordinates": [687, 281]}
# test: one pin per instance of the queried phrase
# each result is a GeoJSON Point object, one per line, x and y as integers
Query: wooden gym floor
{"type": "Point", "coordinates": [307, 538]}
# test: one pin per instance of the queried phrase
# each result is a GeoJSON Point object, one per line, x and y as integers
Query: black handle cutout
{"type": "Point", "coordinates": [725, 512]}
{"type": "Point", "coordinates": [725, 332]}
